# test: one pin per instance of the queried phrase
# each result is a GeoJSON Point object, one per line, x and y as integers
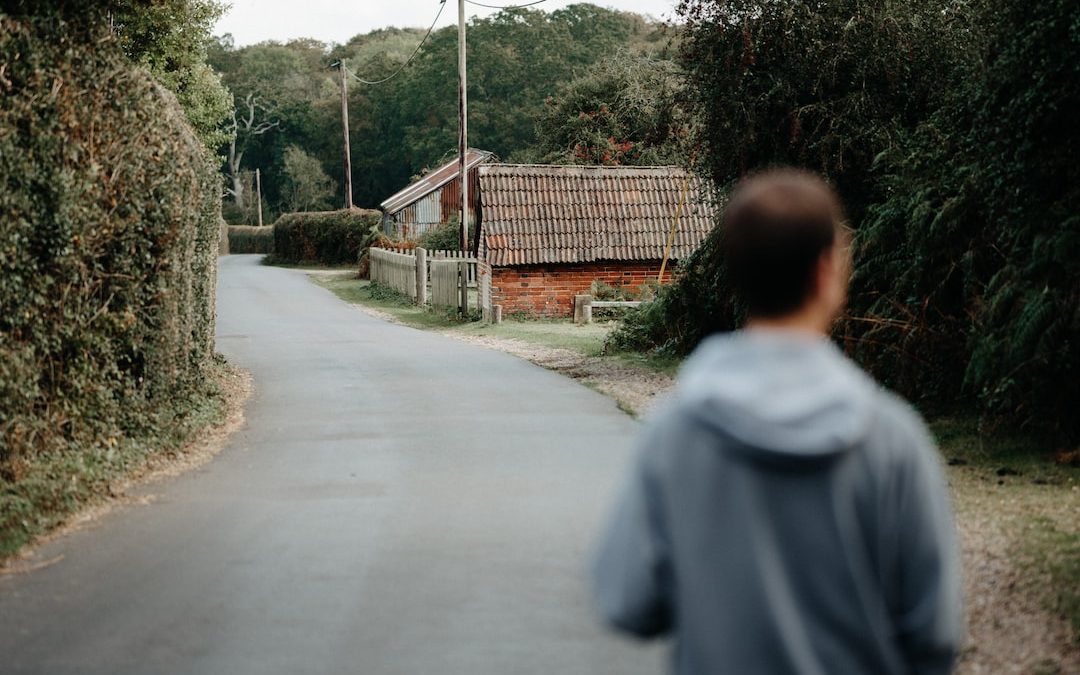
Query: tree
{"type": "Point", "coordinates": [249, 122]}
{"type": "Point", "coordinates": [308, 188]}
{"type": "Point", "coordinates": [948, 128]}
{"type": "Point", "coordinates": [627, 110]}
{"type": "Point", "coordinates": [824, 85]}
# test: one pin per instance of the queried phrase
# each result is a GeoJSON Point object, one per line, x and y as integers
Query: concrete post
{"type": "Point", "coordinates": [421, 276]}
{"type": "Point", "coordinates": [582, 309]}
{"type": "Point", "coordinates": [496, 314]}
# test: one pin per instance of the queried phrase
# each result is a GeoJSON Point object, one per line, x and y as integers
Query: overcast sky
{"type": "Point", "coordinates": [252, 21]}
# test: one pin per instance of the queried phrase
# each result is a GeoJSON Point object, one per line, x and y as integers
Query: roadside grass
{"type": "Point", "coordinates": [1001, 480]}
{"type": "Point", "coordinates": [1009, 481]}
{"type": "Point", "coordinates": [559, 334]}
{"type": "Point", "coordinates": [52, 488]}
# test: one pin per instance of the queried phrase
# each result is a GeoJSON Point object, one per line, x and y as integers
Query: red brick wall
{"type": "Point", "coordinates": [549, 290]}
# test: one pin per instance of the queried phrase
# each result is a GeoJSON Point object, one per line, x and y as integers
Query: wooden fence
{"type": "Point", "coordinates": [394, 270]}
{"type": "Point", "coordinates": [449, 274]}
{"type": "Point", "coordinates": [457, 255]}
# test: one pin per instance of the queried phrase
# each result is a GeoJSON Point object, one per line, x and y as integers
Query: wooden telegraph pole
{"type": "Point", "coordinates": [463, 129]}
{"type": "Point", "coordinates": [345, 133]}
{"type": "Point", "coordinates": [258, 193]}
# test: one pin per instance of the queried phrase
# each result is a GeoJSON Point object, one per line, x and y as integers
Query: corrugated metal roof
{"type": "Point", "coordinates": [536, 214]}
{"type": "Point", "coordinates": [433, 181]}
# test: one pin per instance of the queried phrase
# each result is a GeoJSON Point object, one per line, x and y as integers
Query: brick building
{"type": "Point", "coordinates": [548, 232]}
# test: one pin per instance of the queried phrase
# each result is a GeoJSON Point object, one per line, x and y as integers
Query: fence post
{"type": "Point", "coordinates": [421, 276]}
{"type": "Point", "coordinates": [463, 279]}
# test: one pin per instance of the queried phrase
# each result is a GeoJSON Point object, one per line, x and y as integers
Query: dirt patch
{"type": "Point", "coordinates": [635, 388]}
{"type": "Point", "coordinates": [1010, 630]}
{"type": "Point", "coordinates": [236, 388]}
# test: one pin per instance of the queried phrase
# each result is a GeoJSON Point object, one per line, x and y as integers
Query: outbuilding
{"type": "Point", "coordinates": [548, 232]}
{"type": "Point", "coordinates": [431, 201]}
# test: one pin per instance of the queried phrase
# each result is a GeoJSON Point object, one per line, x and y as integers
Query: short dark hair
{"type": "Point", "coordinates": [776, 227]}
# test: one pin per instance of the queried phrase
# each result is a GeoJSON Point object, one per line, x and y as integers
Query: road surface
{"type": "Point", "coordinates": [398, 502]}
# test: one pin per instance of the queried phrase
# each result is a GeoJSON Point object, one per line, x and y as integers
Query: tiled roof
{"type": "Point", "coordinates": [432, 181]}
{"type": "Point", "coordinates": [535, 214]}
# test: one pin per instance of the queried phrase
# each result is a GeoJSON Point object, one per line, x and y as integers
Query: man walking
{"type": "Point", "coordinates": [785, 514]}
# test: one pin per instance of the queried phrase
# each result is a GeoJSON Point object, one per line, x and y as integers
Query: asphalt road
{"type": "Point", "coordinates": [397, 502]}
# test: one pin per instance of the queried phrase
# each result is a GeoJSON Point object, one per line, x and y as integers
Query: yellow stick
{"type": "Point", "coordinates": [675, 222]}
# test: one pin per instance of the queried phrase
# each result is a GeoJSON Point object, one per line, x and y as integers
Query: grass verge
{"type": "Point", "coordinates": [1008, 482]}
{"type": "Point", "coordinates": [587, 340]}
{"type": "Point", "coordinates": [51, 489]}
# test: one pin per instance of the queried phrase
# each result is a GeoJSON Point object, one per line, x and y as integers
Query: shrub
{"type": "Point", "coordinates": [324, 237]}
{"type": "Point", "coordinates": [446, 237]}
{"type": "Point", "coordinates": [247, 239]}
{"type": "Point", "coordinates": [109, 229]}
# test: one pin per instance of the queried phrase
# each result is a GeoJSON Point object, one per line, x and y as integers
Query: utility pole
{"type": "Point", "coordinates": [463, 128]}
{"type": "Point", "coordinates": [345, 132]}
{"type": "Point", "coordinates": [258, 193]}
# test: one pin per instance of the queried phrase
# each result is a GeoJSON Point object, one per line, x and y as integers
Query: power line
{"type": "Point", "coordinates": [527, 4]}
{"type": "Point", "coordinates": [413, 56]}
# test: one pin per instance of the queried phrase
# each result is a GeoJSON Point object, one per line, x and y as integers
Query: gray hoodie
{"type": "Point", "coordinates": [785, 515]}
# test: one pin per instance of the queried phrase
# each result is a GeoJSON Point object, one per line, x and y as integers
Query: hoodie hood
{"type": "Point", "coordinates": [783, 395]}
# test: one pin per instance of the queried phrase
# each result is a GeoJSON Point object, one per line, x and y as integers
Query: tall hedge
{"type": "Point", "coordinates": [109, 228]}
{"type": "Point", "coordinates": [324, 237]}
{"type": "Point", "coordinates": [250, 239]}
{"type": "Point", "coordinates": [949, 130]}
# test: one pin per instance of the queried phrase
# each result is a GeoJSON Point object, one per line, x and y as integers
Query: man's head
{"type": "Point", "coordinates": [785, 247]}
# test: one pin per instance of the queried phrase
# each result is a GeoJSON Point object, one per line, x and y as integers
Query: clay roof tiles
{"type": "Point", "coordinates": [536, 214]}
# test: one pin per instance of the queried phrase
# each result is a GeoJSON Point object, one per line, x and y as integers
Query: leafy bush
{"type": "Point", "coordinates": [109, 230]}
{"type": "Point", "coordinates": [446, 237]}
{"type": "Point", "coordinates": [949, 132]}
{"type": "Point", "coordinates": [324, 237]}
{"type": "Point", "coordinates": [245, 239]}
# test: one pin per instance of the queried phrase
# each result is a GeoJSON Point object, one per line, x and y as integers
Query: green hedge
{"type": "Point", "coordinates": [109, 215]}
{"type": "Point", "coordinates": [324, 237]}
{"type": "Point", "coordinates": [251, 239]}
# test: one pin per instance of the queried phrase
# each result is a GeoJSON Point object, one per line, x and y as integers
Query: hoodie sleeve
{"type": "Point", "coordinates": [929, 620]}
{"type": "Point", "coordinates": [631, 572]}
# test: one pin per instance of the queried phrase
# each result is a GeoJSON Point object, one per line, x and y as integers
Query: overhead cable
{"type": "Point", "coordinates": [416, 51]}
{"type": "Point", "coordinates": [527, 4]}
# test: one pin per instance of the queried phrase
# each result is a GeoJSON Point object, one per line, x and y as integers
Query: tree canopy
{"type": "Point", "coordinates": [518, 58]}
{"type": "Point", "coordinates": [947, 128]}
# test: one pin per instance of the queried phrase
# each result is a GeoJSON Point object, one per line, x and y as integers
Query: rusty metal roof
{"type": "Point", "coordinates": [535, 214]}
{"type": "Point", "coordinates": [433, 181]}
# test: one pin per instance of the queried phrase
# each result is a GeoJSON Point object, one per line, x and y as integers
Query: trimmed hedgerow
{"type": "Point", "coordinates": [251, 239]}
{"type": "Point", "coordinates": [324, 237]}
{"type": "Point", "coordinates": [109, 214]}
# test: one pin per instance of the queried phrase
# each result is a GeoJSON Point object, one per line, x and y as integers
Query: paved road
{"type": "Point", "coordinates": [398, 502]}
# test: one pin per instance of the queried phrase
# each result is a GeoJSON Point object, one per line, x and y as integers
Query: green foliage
{"type": "Point", "coordinates": [168, 37]}
{"type": "Point", "coordinates": [447, 237]}
{"type": "Point", "coordinates": [683, 313]}
{"type": "Point", "coordinates": [947, 127]}
{"type": "Point", "coordinates": [627, 110]}
{"type": "Point", "coordinates": [307, 187]}
{"type": "Point", "coordinates": [979, 236]}
{"type": "Point", "coordinates": [517, 58]}
{"type": "Point", "coordinates": [325, 238]}
{"type": "Point", "coordinates": [246, 239]}
{"type": "Point", "coordinates": [825, 85]}
{"type": "Point", "coordinates": [109, 229]}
